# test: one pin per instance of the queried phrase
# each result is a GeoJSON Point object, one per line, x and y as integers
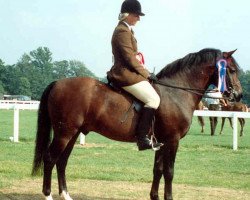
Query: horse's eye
{"type": "Point", "coordinates": [232, 71]}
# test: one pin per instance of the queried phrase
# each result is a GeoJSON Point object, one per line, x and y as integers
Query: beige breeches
{"type": "Point", "coordinates": [145, 93]}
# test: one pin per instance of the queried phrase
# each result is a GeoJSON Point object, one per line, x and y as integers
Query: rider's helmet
{"type": "Point", "coordinates": [132, 6]}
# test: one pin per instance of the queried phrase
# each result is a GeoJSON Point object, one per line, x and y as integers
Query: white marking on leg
{"type": "Point", "coordinates": [65, 196]}
{"type": "Point", "coordinates": [48, 197]}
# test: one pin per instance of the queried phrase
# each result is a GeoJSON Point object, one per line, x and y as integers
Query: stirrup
{"type": "Point", "coordinates": [154, 141]}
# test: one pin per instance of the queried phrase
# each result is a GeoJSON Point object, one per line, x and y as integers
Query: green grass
{"type": "Point", "coordinates": [202, 160]}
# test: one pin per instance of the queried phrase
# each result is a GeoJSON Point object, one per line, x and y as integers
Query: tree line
{"type": "Point", "coordinates": [245, 83]}
{"type": "Point", "coordinates": [35, 70]}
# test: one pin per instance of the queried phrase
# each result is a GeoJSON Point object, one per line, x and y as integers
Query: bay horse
{"type": "Point", "coordinates": [73, 105]}
{"type": "Point", "coordinates": [234, 106]}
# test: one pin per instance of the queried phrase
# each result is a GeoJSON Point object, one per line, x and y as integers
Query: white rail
{"type": "Point", "coordinates": [234, 115]}
{"type": "Point", "coordinates": [24, 105]}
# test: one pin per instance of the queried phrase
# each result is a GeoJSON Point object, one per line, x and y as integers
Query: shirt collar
{"type": "Point", "coordinates": [130, 28]}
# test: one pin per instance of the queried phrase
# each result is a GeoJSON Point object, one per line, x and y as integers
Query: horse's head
{"type": "Point", "coordinates": [234, 89]}
{"type": "Point", "coordinates": [201, 69]}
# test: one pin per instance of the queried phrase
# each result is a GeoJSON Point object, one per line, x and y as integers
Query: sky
{"type": "Point", "coordinates": [82, 30]}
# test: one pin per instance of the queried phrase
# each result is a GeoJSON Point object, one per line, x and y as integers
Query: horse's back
{"type": "Point", "coordinates": [93, 106]}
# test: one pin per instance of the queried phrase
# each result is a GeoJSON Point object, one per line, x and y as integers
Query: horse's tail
{"type": "Point", "coordinates": [43, 137]}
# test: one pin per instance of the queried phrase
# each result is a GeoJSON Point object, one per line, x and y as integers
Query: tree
{"type": "Point", "coordinates": [10, 79]}
{"type": "Point", "coordinates": [61, 69]}
{"type": "Point", "coordinates": [77, 68]}
{"type": "Point", "coordinates": [24, 86]}
{"type": "Point", "coordinates": [40, 63]}
{"type": "Point", "coordinates": [42, 59]}
{"type": "Point", "coordinates": [2, 91]}
{"type": "Point", "coordinates": [2, 71]}
{"type": "Point", "coordinates": [245, 83]}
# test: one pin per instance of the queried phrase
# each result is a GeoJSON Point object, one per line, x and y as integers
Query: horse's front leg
{"type": "Point", "coordinates": [169, 154]}
{"type": "Point", "coordinates": [158, 170]}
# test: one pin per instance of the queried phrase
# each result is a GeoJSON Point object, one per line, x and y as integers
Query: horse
{"type": "Point", "coordinates": [82, 104]}
{"type": "Point", "coordinates": [234, 106]}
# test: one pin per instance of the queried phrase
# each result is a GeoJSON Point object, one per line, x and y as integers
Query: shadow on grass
{"type": "Point", "coordinates": [224, 146]}
{"type": "Point", "coordinates": [14, 196]}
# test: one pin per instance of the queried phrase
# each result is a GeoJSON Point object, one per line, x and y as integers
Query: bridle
{"type": "Point", "coordinates": [201, 92]}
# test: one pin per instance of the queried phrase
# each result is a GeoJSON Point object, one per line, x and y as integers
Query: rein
{"type": "Point", "coordinates": [191, 90]}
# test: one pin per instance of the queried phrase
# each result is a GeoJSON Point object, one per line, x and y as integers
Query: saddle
{"type": "Point", "coordinates": [136, 103]}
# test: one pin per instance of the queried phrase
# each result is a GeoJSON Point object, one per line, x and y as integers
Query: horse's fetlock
{"type": "Point", "coordinates": [47, 192]}
{"type": "Point", "coordinates": [154, 197]}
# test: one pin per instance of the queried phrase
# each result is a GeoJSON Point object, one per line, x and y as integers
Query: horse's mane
{"type": "Point", "coordinates": [190, 61]}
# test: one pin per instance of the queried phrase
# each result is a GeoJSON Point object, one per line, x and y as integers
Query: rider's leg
{"type": "Point", "coordinates": [147, 94]}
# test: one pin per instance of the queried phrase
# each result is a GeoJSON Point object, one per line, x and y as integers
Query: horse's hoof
{"type": "Point", "coordinates": [65, 196]}
{"type": "Point", "coordinates": [48, 197]}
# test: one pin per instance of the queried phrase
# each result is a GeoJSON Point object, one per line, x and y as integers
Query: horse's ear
{"type": "Point", "coordinates": [228, 54]}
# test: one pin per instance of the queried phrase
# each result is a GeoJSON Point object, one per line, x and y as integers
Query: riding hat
{"type": "Point", "coordinates": [132, 6]}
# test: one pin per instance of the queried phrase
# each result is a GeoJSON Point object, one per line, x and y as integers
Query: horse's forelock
{"type": "Point", "coordinates": [190, 62]}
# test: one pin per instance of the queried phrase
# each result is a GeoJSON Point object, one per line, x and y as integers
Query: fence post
{"type": "Point", "coordinates": [82, 139]}
{"type": "Point", "coordinates": [235, 132]}
{"type": "Point", "coordinates": [16, 124]}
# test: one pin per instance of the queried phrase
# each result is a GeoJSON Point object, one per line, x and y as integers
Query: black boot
{"type": "Point", "coordinates": [142, 130]}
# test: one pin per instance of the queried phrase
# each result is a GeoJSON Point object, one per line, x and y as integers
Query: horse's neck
{"type": "Point", "coordinates": [178, 95]}
{"type": "Point", "coordinates": [192, 81]}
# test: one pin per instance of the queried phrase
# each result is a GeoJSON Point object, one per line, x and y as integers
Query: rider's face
{"type": "Point", "coordinates": [132, 19]}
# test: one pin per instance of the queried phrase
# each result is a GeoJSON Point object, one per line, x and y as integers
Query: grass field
{"type": "Point", "coordinates": [202, 162]}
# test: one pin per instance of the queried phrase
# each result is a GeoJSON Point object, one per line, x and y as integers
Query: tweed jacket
{"type": "Point", "coordinates": [126, 70]}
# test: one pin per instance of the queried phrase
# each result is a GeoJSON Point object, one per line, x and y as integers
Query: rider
{"type": "Point", "coordinates": [130, 74]}
{"type": "Point", "coordinates": [214, 99]}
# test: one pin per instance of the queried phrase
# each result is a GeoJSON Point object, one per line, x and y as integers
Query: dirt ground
{"type": "Point", "coordinates": [110, 190]}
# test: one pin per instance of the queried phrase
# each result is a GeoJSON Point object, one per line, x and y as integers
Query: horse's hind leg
{"type": "Point", "coordinates": [61, 167]}
{"type": "Point", "coordinates": [222, 124]}
{"type": "Point", "coordinates": [202, 123]}
{"type": "Point", "coordinates": [213, 124]}
{"type": "Point", "coordinates": [242, 124]}
{"type": "Point", "coordinates": [230, 121]}
{"type": "Point", "coordinates": [158, 170]}
{"type": "Point", "coordinates": [50, 158]}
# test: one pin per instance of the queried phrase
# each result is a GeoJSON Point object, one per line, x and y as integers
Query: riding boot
{"type": "Point", "coordinates": [143, 127]}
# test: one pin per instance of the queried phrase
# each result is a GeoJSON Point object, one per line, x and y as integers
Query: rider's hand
{"type": "Point", "coordinates": [152, 77]}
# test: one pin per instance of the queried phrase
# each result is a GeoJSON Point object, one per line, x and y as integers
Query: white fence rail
{"type": "Point", "coordinates": [24, 105]}
{"type": "Point", "coordinates": [33, 105]}
{"type": "Point", "coordinates": [16, 106]}
{"type": "Point", "coordinates": [234, 115]}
